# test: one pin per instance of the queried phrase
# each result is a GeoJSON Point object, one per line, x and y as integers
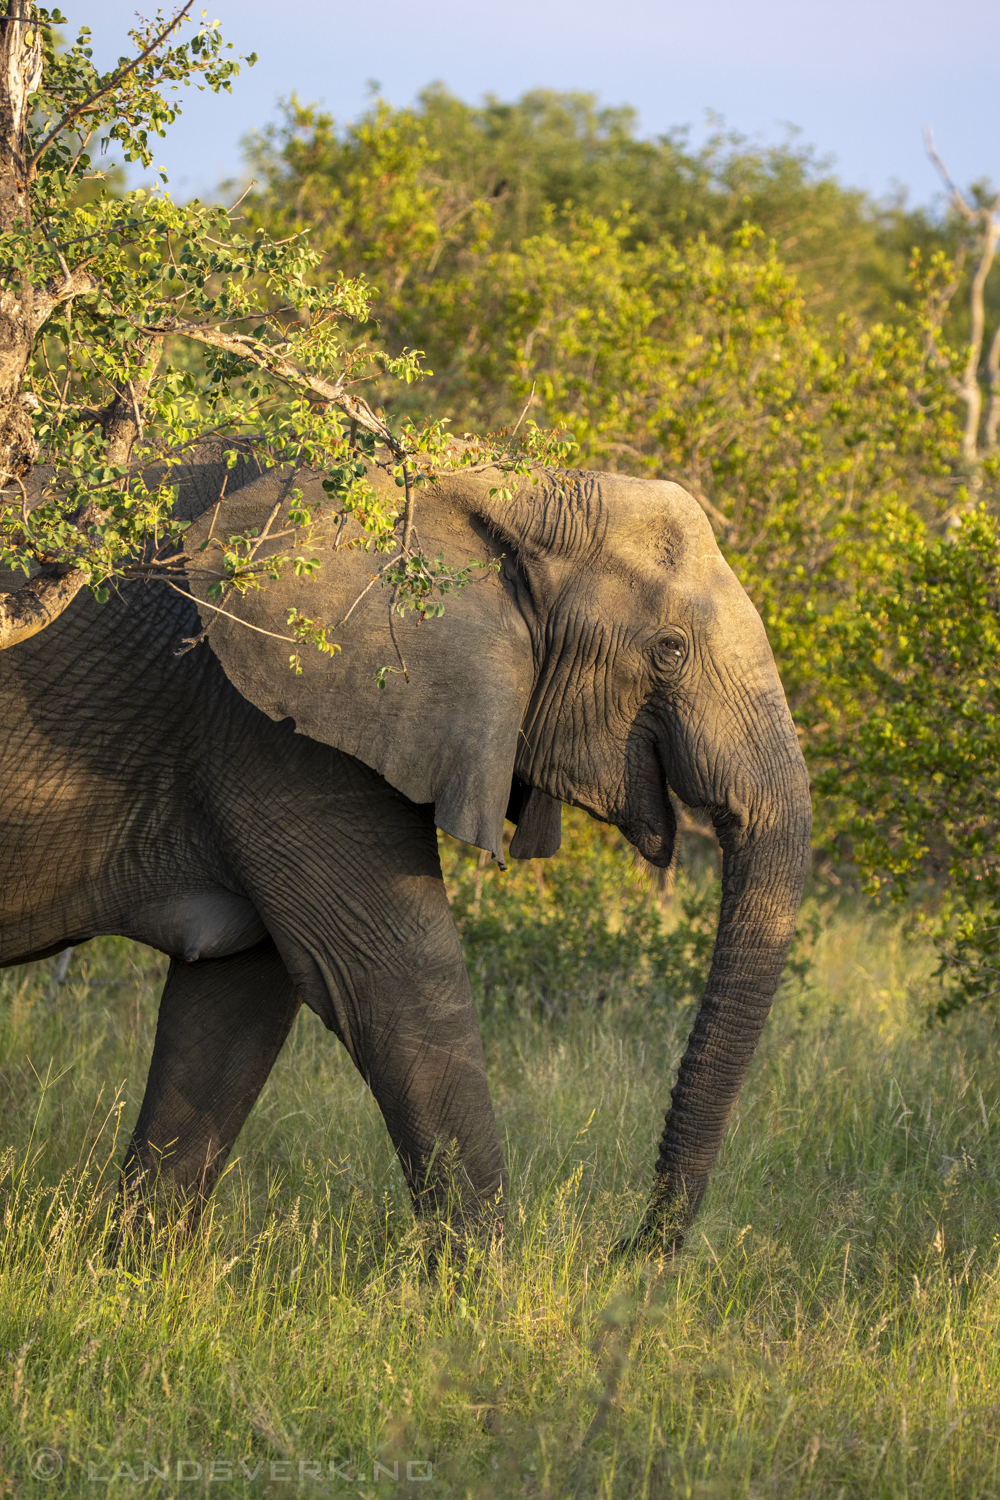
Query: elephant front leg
{"type": "Point", "coordinates": [420, 1050]}
{"type": "Point", "coordinates": [221, 1026]}
{"type": "Point", "coordinates": [361, 917]}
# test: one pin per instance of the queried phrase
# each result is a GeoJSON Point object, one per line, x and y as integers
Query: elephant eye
{"type": "Point", "coordinates": [672, 647]}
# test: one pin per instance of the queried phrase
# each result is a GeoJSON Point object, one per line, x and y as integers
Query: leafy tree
{"type": "Point", "coordinates": [363, 197]}
{"type": "Point", "coordinates": [51, 243]}
{"type": "Point", "coordinates": [703, 364]}
{"type": "Point", "coordinates": [411, 194]}
{"type": "Point", "coordinates": [105, 297]}
{"type": "Point", "coordinates": [915, 756]}
{"type": "Point", "coordinates": [700, 357]}
{"type": "Point", "coordinates": [917, 761]}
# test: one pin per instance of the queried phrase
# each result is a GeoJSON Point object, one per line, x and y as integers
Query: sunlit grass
{"type": "Point", "coordinates": [830, 1329]}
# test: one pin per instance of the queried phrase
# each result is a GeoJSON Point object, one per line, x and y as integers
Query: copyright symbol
{"type": "Point", "coordinates": [46, 1463]}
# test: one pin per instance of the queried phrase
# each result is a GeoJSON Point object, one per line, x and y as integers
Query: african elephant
{"type": "Point", "coordinates": [274, 832]}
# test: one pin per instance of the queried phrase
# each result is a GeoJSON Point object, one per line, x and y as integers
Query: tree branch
{"type": "Point", "coordinates": [204, 604]}
{"type": "Point", "coordinates": [407, 512]}
{"type": "Point", "coordinates": [74, 284]}
{"type": "Point", "coordinates": [30, 609]}
{"type": "Point", "coordinates": [993, 375]}
{"type": "Point", "coordinates": [267, 358]}
{"type": "Point", "coordinates": [968, 388]}
{"type": "Point", "coordinates": [958, 202]}
{"type": "Point", "coordinates": [971, 391]}
{"type": "Point", "coordinates": [20, 76]}
{"type": "Point", "coordinates": [112, 82]}
{"type": "Point", "coordinates": [21, 60]}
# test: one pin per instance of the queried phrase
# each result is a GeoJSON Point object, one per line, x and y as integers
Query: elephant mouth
{"type": "Point", "coordinates": [650, 822]}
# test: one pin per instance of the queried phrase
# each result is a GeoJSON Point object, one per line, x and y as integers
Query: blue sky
{"type": "Point", "coordinates": [859, 78]}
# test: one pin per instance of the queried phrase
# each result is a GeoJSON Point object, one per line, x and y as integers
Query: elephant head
{"type": "Point", "coordinates": [604, 656]}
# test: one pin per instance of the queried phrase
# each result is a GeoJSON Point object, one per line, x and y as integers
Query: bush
{"type": "Point", "coordinates": [917, 756]}
{"type": "Point", "coordinates": [585, 927]}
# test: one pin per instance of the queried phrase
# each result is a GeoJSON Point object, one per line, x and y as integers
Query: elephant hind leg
{"type": "Point", "coordinates": [221, 1025]}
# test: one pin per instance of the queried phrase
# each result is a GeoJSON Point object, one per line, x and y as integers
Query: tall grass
{"type": "Point", "coordinates": [830, 1329]}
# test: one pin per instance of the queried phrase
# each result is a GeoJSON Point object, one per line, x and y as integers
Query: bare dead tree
{"type": "Point", "coordinates": [983, 220]}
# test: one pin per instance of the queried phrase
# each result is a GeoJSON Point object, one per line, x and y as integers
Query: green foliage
{"type": "Point", "coordinates": [160, 271]}
{"type": "Point", "coordinates": [916, 761]}
{"type": "Point", "coordinates": [169, 325]}
{"type": "Point", "coordinates": [362, 197]}
{"type": "Point", "coordinates": [142, 268]}
{"type": "Point", "coordinates": [698, 358]}
{"type": "Point", "coordinates": [129, 101]}
{"type": "Point", "coordinates": [583, 928]}
{"type": "Point", "coordinates": [409, 195]}
{"type": "Point", "coordinates": [702, 364]}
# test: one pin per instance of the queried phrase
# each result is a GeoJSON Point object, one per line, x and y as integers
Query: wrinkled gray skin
{"type": "Point", "coordinates": [274, 834]}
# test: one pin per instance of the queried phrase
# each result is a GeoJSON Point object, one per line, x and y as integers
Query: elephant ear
{"type": "Point", "coordinates": [445, 725]}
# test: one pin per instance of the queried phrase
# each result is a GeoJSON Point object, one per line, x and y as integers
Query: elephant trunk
{"type": "Point", "coordinates": [764, 867]}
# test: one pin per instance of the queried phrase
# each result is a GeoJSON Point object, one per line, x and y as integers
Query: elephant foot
{"type": "Point", "coordinates": [144, 1223]}
{"type": "Point", "coordinates": [463, 1226]}
{"type": "Point", "coordinates": [464, 1249]}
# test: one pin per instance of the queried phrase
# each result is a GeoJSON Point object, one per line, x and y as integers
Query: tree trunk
{"type": "Point", "coordinates": [23, 310]}
{"type": "Point", "coordinates": [30, 609]}
{"type": "Point", "coordinates": [20, 76]}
